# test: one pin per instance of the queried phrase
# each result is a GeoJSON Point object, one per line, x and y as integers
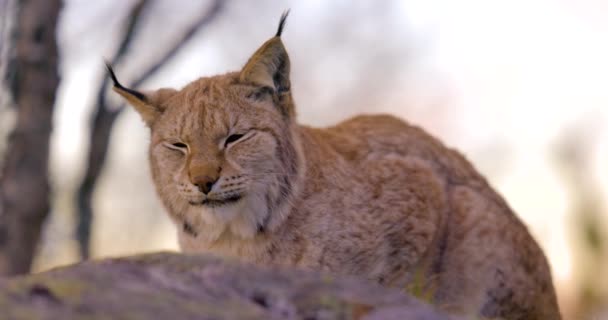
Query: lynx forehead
{"type": "Point", "coordinates": [372, 196]}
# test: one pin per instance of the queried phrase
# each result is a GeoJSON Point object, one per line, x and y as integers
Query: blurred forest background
{"type": "Point", "coordinates": [520, 87]}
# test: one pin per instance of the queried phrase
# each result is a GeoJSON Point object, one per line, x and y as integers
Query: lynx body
{"type": "Point", "coordinates": [373, 196]}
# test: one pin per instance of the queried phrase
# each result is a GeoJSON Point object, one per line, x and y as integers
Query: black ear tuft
{"type": "Point", "coordinates": [112, 75]}
{"type": "Point", "coordinates": [282, 23]}
{"type": "Point", "coordinates": [117, 84]}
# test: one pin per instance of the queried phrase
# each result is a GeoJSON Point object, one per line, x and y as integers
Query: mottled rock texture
{"type": "Point", "coordinates": [177, 286]}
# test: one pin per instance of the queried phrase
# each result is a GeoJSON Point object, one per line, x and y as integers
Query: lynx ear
{"type": "Point", "coordinates": [269, 65]}
{"type": "Point", "coordinates": [148, 105]}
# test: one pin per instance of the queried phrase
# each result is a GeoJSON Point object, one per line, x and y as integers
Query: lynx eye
{"type": "Point", "coordinates": [178, 146]}
{"type": "Point", "coordinates": [232, 138]}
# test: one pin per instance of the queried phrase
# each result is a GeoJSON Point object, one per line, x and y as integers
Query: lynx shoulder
{"type": "Point", "coordinates": [372, 196]}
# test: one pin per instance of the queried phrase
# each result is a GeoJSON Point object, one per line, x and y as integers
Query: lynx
{"type": "Point", "coordinates": [373, 196]}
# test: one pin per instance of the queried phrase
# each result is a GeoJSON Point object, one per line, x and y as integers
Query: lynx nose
{"type": "Point", "coordinates": [204, 183]}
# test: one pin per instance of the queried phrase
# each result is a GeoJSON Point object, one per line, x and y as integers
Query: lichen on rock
{"type": "Point", "coordinates": [178, 286]}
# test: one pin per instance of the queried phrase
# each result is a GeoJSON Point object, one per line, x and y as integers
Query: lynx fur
{"type": "Point", "coordinates": [373, 196]}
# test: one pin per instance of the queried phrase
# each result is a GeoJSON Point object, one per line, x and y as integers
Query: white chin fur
{"type": "Point", "coordinates": [241, 219]}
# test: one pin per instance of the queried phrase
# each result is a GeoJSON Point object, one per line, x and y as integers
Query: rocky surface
{"type": "Point", "coordinates": [177, 286]}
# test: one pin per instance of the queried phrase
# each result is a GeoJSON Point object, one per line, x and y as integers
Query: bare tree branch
{"type": "Point", "coordinates": [105, 117]}
{"type": "Point", "coordinates": [203, 21]}
{"type": "Point", "coordinates": [24, 185]}
{"type": "Point", "coordinates": [102, 123]}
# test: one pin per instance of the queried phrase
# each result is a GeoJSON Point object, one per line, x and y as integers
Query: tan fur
{"type": "Point", "coordinates": [373, 196]}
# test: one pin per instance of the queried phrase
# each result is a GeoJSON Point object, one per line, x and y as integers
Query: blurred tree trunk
{"type": "Point", "coordinates": [8, 15]}
{"type": "Point", "coordinates": [574, 155]}
{"type": "Point", "coordinates": [24, 186]}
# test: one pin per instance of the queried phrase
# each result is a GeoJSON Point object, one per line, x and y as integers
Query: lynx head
{"type": "Point", "coordinates": [223, 150]}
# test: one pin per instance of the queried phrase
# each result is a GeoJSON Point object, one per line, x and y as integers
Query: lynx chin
{"type": "Point", "coordinates": [373, 196]}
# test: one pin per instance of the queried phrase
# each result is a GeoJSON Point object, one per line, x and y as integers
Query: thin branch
{"type": "Point", "coordinates": [123, 48]}
{"type": "Point", "coordinates": [105, 117]}
{"type": "Point", "coordinates": [102, 122]}
{"type": "Point", "coordinates": [203, 21]}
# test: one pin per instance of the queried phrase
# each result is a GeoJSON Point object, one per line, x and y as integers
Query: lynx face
{"type": "Point", "coordinates": [223, 152]}
{"type": "Point", "coordinates": [219, 154]}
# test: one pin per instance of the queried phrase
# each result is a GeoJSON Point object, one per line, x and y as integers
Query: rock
{"type": "Point", "coordinates": [178, 286]}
